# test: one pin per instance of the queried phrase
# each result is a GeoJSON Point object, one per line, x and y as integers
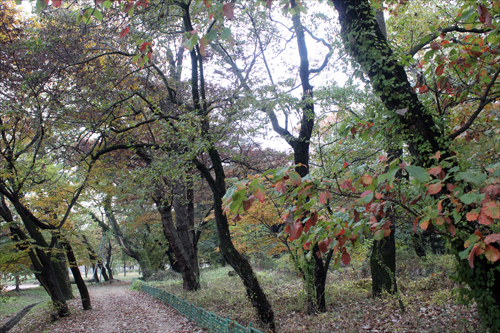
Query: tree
{"type": "Point", "coordinates": [33, 140]}
{"type": "Point", "coordinates": [427, 142]}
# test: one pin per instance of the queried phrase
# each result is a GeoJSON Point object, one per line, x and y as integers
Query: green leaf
{"type": "Point", "coordinates": [226, 33]}
{"type": "Point", "coordinates": [467, 14]}
{"type": "Point", "coordinates": [471, 197]}
{"type": "Point", "coordinates": [40, 5]}
{"type": "Point", "coordinates": [295, 178]}
{"type": "Point", "coordinates": [474, 177]}
{"type": "Point", "coordinates": [19, 2]}
{"type": "Point", "coordinates": [107, 4]}
{"type": "Point", "coordinates": [418, 173]}
{"type": "Point", "coordinates": [366, 197]}
{"type": "Point", "coordinates": [389, 176]}
{"type": "Point", "coordinates": [211, 36]}
{"type": "Point", "coordinates": [97, 14]}
{"type": "Point", "coordinates": [465, 253]}
{"type": "Point", "coordinates": [379, 235]}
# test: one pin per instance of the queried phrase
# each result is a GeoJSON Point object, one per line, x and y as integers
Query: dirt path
{"type": "Point", "coordinates": [116, 309]}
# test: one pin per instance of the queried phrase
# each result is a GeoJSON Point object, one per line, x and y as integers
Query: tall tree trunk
{"type": "Point", "coordinates": [109, 260]}
{"type": "Point", "coordinates": [383, 264]}
{"type": "Point", "coordinates": [174, 264]}
{"type": "Point", "coordinates": [418, 245]}
{"type": "Point", "coordinates": [103, 271]}
{"type": "Point", "coordinates": [141, 255]}
{"type": "Point", "coordinates": [61, 268]}
{"type": "Point", "coordinates": [190, 274]}
{"type": "Point", "coordinates": [239, 263]}
{"type": "Point", "coordinates": [82, 287]}
{"type": "Point", "coordinates": [383, 256]}
{"type": "Point", "coordinates": [95, 274]}
{"type": "Point", "coordinates": [180, 235]}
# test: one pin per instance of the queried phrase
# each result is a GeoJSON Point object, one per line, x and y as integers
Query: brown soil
{"type": "Point", "coordinates": [115, 309]}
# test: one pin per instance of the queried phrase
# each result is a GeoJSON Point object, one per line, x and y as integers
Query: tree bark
{"type": "Point", "coordinates": [383, 265]}
{"type": "Point", "coordinates": [80, 283]}
{"type": "Point", "coordinates": [180, 239]}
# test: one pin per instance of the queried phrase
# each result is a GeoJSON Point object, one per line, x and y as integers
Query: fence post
{"type": "Point", "coordinates": [250, 329]}
{"type": "Point", "coordinates": [227, 323]}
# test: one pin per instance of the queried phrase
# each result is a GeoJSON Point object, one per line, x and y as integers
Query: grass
{"type": "Point", "coordinates": [427, 293]}
{"type": "Point", "coordinates": [12, 302]}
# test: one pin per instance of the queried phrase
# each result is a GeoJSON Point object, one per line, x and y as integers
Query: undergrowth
{"type": "Point", "coordinates": [425, 290]}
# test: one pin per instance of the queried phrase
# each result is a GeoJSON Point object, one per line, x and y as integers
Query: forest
{"type": "Point", "coordinates": [350, 143]}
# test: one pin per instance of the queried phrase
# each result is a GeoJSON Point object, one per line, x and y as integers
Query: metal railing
{"type": "Point", "coordinates": [203, 318]}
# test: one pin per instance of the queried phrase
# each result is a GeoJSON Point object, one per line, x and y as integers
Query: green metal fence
{"type": "Point", "coordinates": [203, 318]}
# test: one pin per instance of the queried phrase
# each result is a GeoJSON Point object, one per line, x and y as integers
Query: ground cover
{"type": "Point", "coordinates": [11, 302]}
{"type": "Point", "coordinates": [426, 293]}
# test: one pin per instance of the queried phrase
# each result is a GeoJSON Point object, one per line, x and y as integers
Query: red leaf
{"type": "Point", "coordinates": [259, 194]}
{"type": "Point", "coordinates": [280, 186]}
{"type": "Point", "coordinates": [314, 218]}
{"type": "Point", "coordinates": [353, 131]}
{"type": "Point", "coordinates": [56, 3]}
{"type": "Point", "coordinates": [128, 7]}
{"type": "Point", "coordinates": [491, 253]}
{"type": "Point", "coordinates": [439, 70]}
{"type": "Point", "coordinates": [296, 231]}
{"type": "Point", "coordinates": [475, 249]}
{"type": "Point", "coordinates": [423, 89]}
{"type": "Point", "coordinates": [424, 224]}
{"type": "Point", "coordinates": [436, 46]}
{"type": "Point", "coordinates": [311, 222]}
{"type": "Point", "coordinates": [482, 12]}
{"type": "Point", "coordinates": [434, 188]}
{"type": "Point", "coordinates": [211, 16]}
{"type": "Point", "coordinates": [439, 220]}
{"type": "Point", "coordinates": [492, 238]}
{"type": "Point", "coordinates": [451, 229]}
{"type": "Point", "coordinates": [484, 218]}
{"type": "Point", "coordinates": [269, 3]}
{"type": "Point", "coordinates": [247, 204]}
{"type": "Point", "coordinates": [203, 46]}
{"type": "Point", "coordinates": [346, 164]}
{"type": "Point", "coordinates": [472, 216]}
{"type": "Point", "coordinates": [192, 32]}
{"type": "Point", "coordinates": [323, 245]}
{"type": "Point", "coordinates": [492, 191]}
{"type": "Point", "coordinates": [366, 180]}
{"type": "Point", "coordinates": [208, 3]}
{"type": "Point", "coordinates": [144, 46]}
{"type": "Point", "coordinates": [324, 196]}
{"type": "Point", "coordinates": [346, 258]}
{"type": "Point", "coordinates": [346, 184]}
{"type": "Point", "coordinates": [228, 10]}
{"type": "Point", "coordinates": [435, 171]}
{"type": "Point", "coordinates": [144, 4]}
{"type": "Point", "coordinates": [491, 209]}
{"type": "Point", "coordinates": [307, 246]}
{"type": "Point", "coordinates": [124, 32]}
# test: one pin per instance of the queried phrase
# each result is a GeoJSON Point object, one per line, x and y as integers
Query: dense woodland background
{"type": "Point", "coordinates": [324, 150]}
